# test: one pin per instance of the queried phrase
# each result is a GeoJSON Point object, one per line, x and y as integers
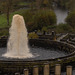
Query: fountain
{"type": "Point", "coordinates": [17, 46]}
{"type": "Point", "coordinates": [19, 55]}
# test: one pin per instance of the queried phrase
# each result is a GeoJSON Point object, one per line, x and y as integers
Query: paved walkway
{"type": "Point", "coordinates": [58, 39]}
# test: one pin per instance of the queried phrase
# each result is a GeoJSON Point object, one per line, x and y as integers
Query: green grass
{"type": "Point", "coordinates": [24, 3]}
{"type": "Point", "coordinates": [3, 19]}
{"type": "Point", "coordinates": [3, 22]}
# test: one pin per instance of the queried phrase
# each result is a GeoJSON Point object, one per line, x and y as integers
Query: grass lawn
{"type": "Point", "coordinates": [24, 3]}
{"type": "Point", "coordinates": [3, 19]}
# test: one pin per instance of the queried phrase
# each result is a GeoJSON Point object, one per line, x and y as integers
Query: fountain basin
{"type": "Point", "coordinates": [14, 65]}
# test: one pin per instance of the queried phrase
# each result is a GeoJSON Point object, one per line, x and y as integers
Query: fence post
{"type": "Point", "coordinates": [57, 69]}
{"type": "Point", "coordinates": [46, 69]}
{"type": "Point", "coordinates": [17, 73]}
{"type": "Point", "coordinates": [69, 70]}
{"type": "Point", "coordinates": [26, 72]}
{"type": "Point", "coordinates": [35, 70]}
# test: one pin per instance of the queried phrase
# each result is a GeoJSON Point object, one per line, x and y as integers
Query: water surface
{"type": "Point", "coordinates": [60, 13]}
{"type": "Point", "coordinates": [38, 54]}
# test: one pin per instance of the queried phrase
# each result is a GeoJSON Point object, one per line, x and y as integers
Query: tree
{"type": "Point", "coordinates": [71, 19]}
{"type": "Point", "coordinates": [71, 5]}
{"type": "Point", "coordinates": [44, 3]}
{"type": "Point", "coordinates": [38, 3]}
{"type": "Point", "coordinates": [63, 3]}
{"type": "Point", "coordinates": [44, 19]}
{"type": "Point", "coordinates": [47, 3]}
{"type": "Point", "coordinates": [40, 18]}
{"type": "Point", "coordinates": [7, 7]}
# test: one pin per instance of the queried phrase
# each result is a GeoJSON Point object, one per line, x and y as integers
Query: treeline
{"type": "Point", "coordinates": [66, 4]}
{"type": "Point", "coordinates": [44, 17]}
{"type": "Point", "coordinates": [8, 6]}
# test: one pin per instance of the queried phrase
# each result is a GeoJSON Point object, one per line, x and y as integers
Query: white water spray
{"type": "Point", "coordinates": [17, 46]}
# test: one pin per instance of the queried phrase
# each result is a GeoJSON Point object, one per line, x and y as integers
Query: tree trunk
{"type": "Point", "coordinates": [8, 16]}
{"type": "Point", "coordinates": [7, 13]}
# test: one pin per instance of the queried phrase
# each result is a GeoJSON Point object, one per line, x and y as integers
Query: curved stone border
{"type": "Point", "coordinates": [19, 65]}
{"type": "Point", "coordinates": [60, 45]}
{"type": "Point", "coordinates": [70, 49]}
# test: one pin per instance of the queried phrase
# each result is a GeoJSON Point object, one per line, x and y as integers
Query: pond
{"type": "Point", "coordinates": [61, 14]}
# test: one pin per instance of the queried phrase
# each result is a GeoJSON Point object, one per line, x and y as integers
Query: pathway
{"type": "Point", "coordinates": [58, 39]}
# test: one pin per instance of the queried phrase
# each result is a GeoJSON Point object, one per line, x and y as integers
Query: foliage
{"type": "Point", "coordinates": [71, 19]}
{"type": "Point", "coordinates": [32, 35]}
{"type": "Point", "coordinates": [38, 31]}
{"type": "Point", "coordinates": [52, 27]}
{"type": "Point", "coordinates": [63, 3]}
{"type": "Point", "coordinates": [71, 5]}
{"type": "Point", "coordinates": [44, 18]}
{"type": "Point", "coordinates": [38, 3]}
{"type": "Point", "coordinates": [44, 29]}
{"type": "Point", "coordinates": [40, 18]}
{"type": "Point", "coordinates": [3, 21]}
{"type": "Point", "coordinates": [47, 3]}
{"type": "Point", "coordinates": [63, 28]}
{"type": "Point", "coordinates": [6, 6]}
{"type": "Point", "coordinates": [66, 4]}
{"type": "Point", "coordinates": [24, 3]}
{"type": "Point", "coordinates": [4, 33]}
{"type": "Point", "coordinates": [28, 16]}
{"type": "Point", "coordinates": [43, 3]}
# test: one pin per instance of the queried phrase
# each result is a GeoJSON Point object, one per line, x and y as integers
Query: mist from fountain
{"type": "Point", "coordinates": [17, 46]}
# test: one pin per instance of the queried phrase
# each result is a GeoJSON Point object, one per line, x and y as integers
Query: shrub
{"type": "Point", "coordinates": [4, 32]}
{"type": "Point", "coordinates": [38, 19]}
{"type": "Point", "coordinates": [71, 19]}
{"type": "Point", "coordinates": [44, 18]}
{"type": "Point", "coordinates": [52, 27]}
{"type": "Point", "coordinates": [62, 28]}
{"type": "Point", "coordinates": [28, 15]}
{"type": "Point", "coordinates": [32, 35]}
{"type": "Point", "coordinates": [44, 29]}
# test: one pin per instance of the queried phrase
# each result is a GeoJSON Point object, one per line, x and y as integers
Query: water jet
{"type": "Point", "coordinates": [17, 46]}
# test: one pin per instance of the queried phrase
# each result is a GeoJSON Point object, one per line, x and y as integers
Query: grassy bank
{"type": "Point", "coordinates": [3, 19]}
{"type": "Point", "coordinates": [25, 3]}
